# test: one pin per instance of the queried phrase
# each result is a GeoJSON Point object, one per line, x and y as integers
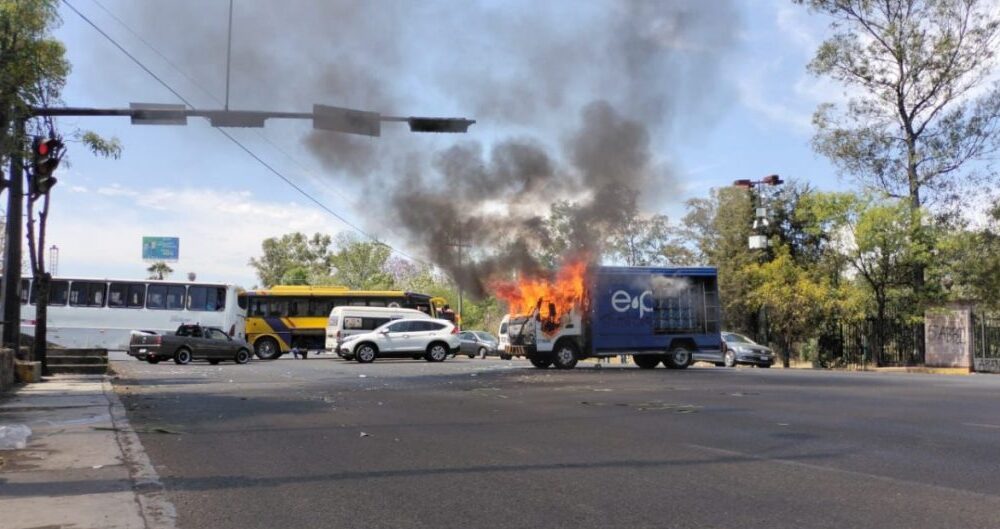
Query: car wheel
{"type": "Point", "coordinates": [565, 356]}
{"type": "Point", "coordinates": [730, 359]}
{"type": "Point", "coordinates": [182, 356]}
{"type": "Point", "coordinates": [482, 352]}
{"type": "Point", "coordinates": [540, 363]}
{"type": "Point", "coordinates": [436, 352]}
{"type": "Point", "coordinates": [646, 361]}
{"type": "Point", "coordinates": [153, 360]}
{"type": "Point", "coordinates": [266, 348]}
{"type": "Point", "coordinates": [365, 353]}
{"type": "Point", "coordinates": [471, 356]}
{"type": "Point", "coordinates": [679, 358]}
{"type": "Point", "coordinates": [242, 356]}
{"type": "Point", "coordinates": [214, 361]}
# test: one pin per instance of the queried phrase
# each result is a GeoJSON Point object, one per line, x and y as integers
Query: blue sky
{"type": "Point", "coordinates": [192, 183]}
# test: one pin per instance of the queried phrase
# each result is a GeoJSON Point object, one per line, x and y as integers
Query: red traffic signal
{"type": "Point", "coordinates": [772, 180]}
{"type": "Point", "coordinates": [45, 159]}
{"type": "Point", "coordinates": [746, 184]}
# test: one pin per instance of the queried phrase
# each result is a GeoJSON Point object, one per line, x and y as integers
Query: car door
{"type": "Point", "coordinates": [219, 345]}
{"type": "Point", "coordinates": [468, 342]}
{"type": "Point", "coordinates": [394, 338]}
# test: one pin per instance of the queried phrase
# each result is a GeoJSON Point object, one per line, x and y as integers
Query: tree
{"type": "Point", "coordinates": [360, 264]}
{"type": "Point", "coordinates": [159, 270]}
{"type": "Point", "coordinates": [293, 250]}
{"type": "Point", "coordinates": [647, 240]}
{"type": "Point", "coordinates": [921, 112]}
{"type": "Point", "coordinates": [719, 227]}
{"type": "Point", "coordinates": [797, 301]}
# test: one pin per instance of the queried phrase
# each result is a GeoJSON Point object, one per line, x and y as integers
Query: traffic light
{"type": "Point", "coordinates": [46, 154]}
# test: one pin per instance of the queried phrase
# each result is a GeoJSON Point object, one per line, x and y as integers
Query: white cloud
{"type": "Point", "coordinates": [219, 231]}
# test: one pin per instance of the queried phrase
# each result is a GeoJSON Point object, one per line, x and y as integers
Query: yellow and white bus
{"type": "Point", "coordinates": [294, 316]}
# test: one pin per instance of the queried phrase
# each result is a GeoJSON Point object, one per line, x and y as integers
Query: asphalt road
{"type": "Point", "coordinates": [489, 443]}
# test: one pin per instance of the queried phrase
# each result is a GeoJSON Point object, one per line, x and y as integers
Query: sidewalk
{"type": "Point", "coordinates": [82, 467]}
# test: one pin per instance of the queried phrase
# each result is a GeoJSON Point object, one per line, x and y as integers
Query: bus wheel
{"type": "Point", "coordinates": [679, 358]}
{"type": "Point", "coordinates": [565, 356]}
{"type": "Point", "coordinates": [646, 361]}
{"type": "Point", "coordinates": [540, 363]}
{"type": "Point", "coordinates": [266, 348]}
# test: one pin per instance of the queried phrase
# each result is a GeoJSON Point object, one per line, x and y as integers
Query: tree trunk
{"type": "Point", "coordinates": [41, 321]}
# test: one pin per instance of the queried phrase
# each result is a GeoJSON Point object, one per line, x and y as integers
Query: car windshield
{"type": "Point", "coordinates": [485, 336]}
{"type": "Point", "coordinates": [738, 338]}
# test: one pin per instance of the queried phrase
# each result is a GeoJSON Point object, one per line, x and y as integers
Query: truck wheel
{"type": "Point", "coordinates": [242, 356]}
{"type": "Point", "coordinates": [646, 361]}
{"type": "Point", "coordinates": [266, 348]}
{"type": "Point", "coordinates": [505, 356]}
{"type": "Point", "coordinates": [540, 363]}
{"type": "Point", "coordinates": [679, 358]}
{"type": "Point", "coordinates": [365, 353]}
{"type": "Point", "coordinates": [565, 356]}
{"type": "Point", "coordinates": [182, 356]}
{"type": "Point", "coordinates": [436, 352]}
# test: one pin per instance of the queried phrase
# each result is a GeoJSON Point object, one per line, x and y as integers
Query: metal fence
{"type": "Point", "coordinates": [986, 343]}
{"type": "Point", "coordinates": [887, 343]}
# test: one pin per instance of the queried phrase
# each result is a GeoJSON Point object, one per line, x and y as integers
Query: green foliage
{"type": "Point", "coordinates": [921, 109]}
{"type": "Point", "coordinates": [360, 265]}
{"type": "Point", "coordinates": [107, 148]}
{"type": "Point", "coordinates": [293, 250]}
{"type": "Point", "coordinates": [159, 270]}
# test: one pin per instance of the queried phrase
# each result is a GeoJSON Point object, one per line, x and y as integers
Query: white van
{"type": "Point", "coordinates": [349, 320]}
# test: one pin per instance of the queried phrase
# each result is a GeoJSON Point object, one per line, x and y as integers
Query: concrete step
{"type": "Point", "coordinates": [78, 369]}
{"type": "Point", "coordinates": [55, 358]}
{"type": "Point", "coordinates": [102, 353]}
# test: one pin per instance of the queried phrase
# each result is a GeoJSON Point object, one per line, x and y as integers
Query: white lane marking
{"type": "Point", "coordinates": [981, 425]}
{"type": "Point", "coordinates": [853, 473]}
{"type": "Point", "coordinates": [156, 510]}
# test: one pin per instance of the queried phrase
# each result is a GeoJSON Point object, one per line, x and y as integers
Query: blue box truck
{"type": "Point", "coordinates": [655, 314]}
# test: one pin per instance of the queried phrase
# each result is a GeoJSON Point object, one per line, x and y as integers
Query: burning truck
{"type": "Point", "coordinates": [656, 314]}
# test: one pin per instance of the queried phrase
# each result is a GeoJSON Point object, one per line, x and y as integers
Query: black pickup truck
{"type": "Point", "coordinates": [189, 342]}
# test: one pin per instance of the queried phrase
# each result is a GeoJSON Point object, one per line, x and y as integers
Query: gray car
{"type": "Point", "coordinates": [477, 343]}
{"type": "Point", "coordinates": [739, 349]}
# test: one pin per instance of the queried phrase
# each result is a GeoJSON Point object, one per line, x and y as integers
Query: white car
{"type": "Point", "coordinates": [432, 340]}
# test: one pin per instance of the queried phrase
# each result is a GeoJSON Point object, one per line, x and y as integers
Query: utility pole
{"type": "Point", "coordinates": [10, 291]}
{"type": "Point", "coordinates": [54, 260]}
{"type": "Point", "coordinates": [760, 239]}
{"type": "Point", "coordinates": [229, 51]}
{"type": "Point", "coordinates": [460, 245]}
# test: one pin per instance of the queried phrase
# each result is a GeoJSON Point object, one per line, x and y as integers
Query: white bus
{"type": "Point", "coordinates": [103, 313]}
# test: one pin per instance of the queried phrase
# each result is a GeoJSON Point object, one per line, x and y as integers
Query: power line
{"type": "Point", "coordinates": [212, 96]}
{"type": "Point", "coordinates": [231, 138]}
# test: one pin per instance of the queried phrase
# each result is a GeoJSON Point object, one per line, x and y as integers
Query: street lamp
{"type": "Point", "coordinates": [759, 239]}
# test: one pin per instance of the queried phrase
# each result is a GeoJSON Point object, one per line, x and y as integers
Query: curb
{"type": "Point", "coordinates": [155, 508]}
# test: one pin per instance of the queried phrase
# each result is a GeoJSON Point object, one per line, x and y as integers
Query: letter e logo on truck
{"type": "Point", "coordinates": [622, 301]}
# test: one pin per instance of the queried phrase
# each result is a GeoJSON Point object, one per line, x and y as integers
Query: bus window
{"type": "Point", "coordinates": [277, 308]}
{"type": "Point", "coordinates": [156, 297]}
{"type": "Point", "coordinates": [175, 297]}
{"type": "Point", "coordinates": [58, 292]}
{"type": "Point", "coordinates": [357, 302]}
{"type": "Point", "coordinates": [87, 294]}
{"type": "Point", "coordinates": [136, 296]}
{"type": "Point", "coordinates": [257, 307]}
{"type": "Point", "coordinates": [297, 307]}
{"type": "Point", "coordinates": [126, 295]}
{"type": "Point", "coordinates": [206, 298]}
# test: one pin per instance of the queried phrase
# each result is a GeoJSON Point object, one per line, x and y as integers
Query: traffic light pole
{"type": "Point", "coordinates": [10, 290]}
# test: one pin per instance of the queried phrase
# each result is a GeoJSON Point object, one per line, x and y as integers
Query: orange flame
{"type": "Point", "coordinates": [565, 291]}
